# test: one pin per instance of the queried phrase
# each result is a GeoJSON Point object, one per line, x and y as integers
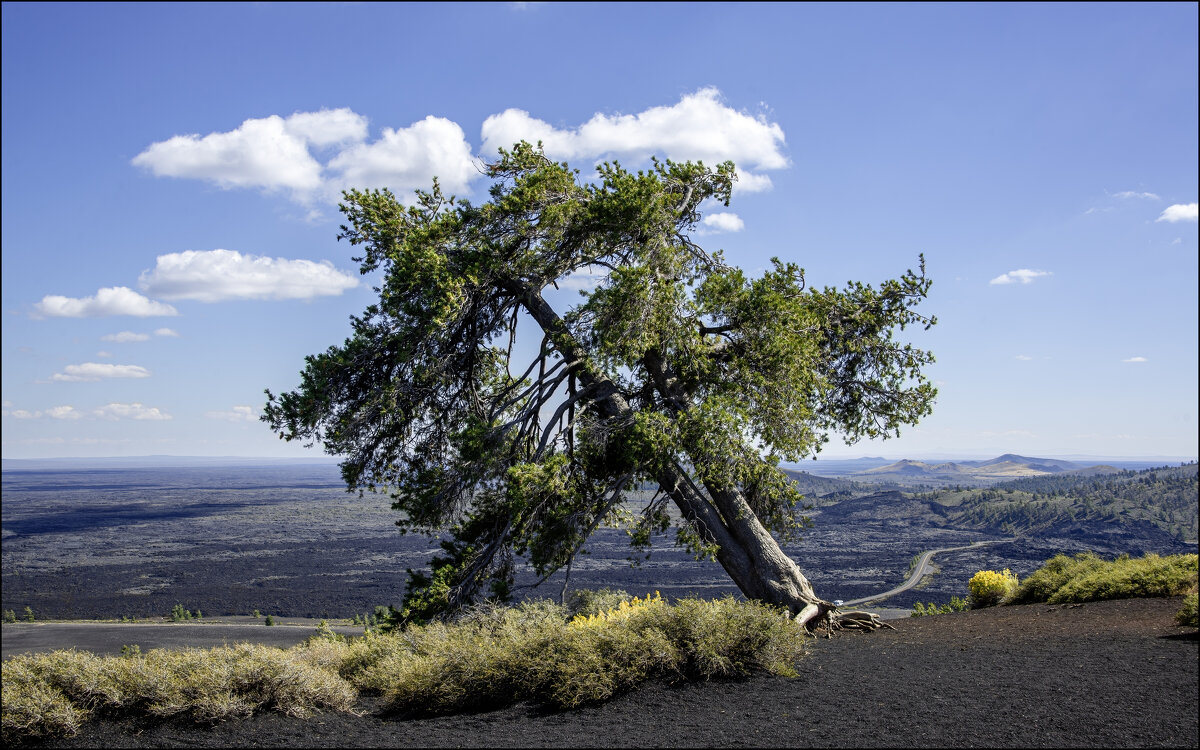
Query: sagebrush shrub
{"type": "Point", "coordinates": [33, 709]}
{"type": "Point", "coordinates": [1087, 577]}
{"type": "Point", "coordinates": [1126, 578]}
{"type": "Point", "coordinates": [493, 656]}
{"type": "Point", "coordinates": [1187, 614]}
{"type": "Point", "coordinates": [1053, 575]}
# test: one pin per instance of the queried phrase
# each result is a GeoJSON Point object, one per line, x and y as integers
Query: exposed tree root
{"type": "Point", "coordinates": [814, 616]}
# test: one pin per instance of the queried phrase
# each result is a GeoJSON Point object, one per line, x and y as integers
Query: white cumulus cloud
{"type": "Point", "coordinates": [698, 127]}
{"type": "Point", "coordinates": [269, 152]}
{"type": "Point", "coordinates": [328, 127]}
{"type": "Point", "coordinates": [1136, 359]}
{"type": "Point", "coordinates": [92, 371]}
{"type": "Point", "coordinates": [724, 222]}
{"type": "Point", "coordinates": [117, 300]}
{"type": "Point", "coordinates": [137, 411]}
{"type": "Point", "coordinates": [124, 337]}
{"type": "Point", "coordinates": [408, 159]}
{"type": "Point", "coordinates": [214, 275]}
{"type": "Point", "coordinates": [235, 414]}
{"type": "Point", "coordinates": [1179, 212]}
{"type": "Point", "coordinates": [277, 153]}
{"type": "Point", "coordinates": [1022, 275]}
{"type": "Point", "coordinates": [315, 155]}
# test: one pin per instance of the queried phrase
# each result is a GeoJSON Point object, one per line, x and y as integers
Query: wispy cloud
{"type": "Point", "coordinates": [1179, 212]}
{"type": "Point", "coordinates": [1127, 194]}
{"type": "Point", "coordinates": [54, 412]}
{"type": "Point", "coordinates": [1136, 359]}
{"type": "Point", "coordinates": [136, 411]}
{"type": "Point", "coordinates": [1024, 357]}
{"type": "Point", "coordinates": [124, 337]}
{"type": "Point", "coordinates": [168, 332]}
{"type": "Point", "coordinates": [235, 414]}
{"type": "Point", "coordinates": [92, 371]}
{"type": "Point", "coordinates": [111, 412]}
{"type": "Point", "coordinates": [584, 279]}
{"type": "Point", "coordinates": [1021, 275]}
{"type": "Point", "coordinates": [215, 275]}
{"type": "Point", "coordinates": [117, 300]}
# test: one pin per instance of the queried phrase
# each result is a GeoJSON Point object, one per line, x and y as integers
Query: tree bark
{"type": "Point", "coordinates": [746, 550]}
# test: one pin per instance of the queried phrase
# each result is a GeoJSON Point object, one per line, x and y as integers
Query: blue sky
{"type": "Point", "coordinates": [170, 175]}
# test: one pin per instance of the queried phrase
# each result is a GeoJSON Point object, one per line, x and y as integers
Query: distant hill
{"type": "Point", "coordinates": [972, 473]}
{"type": "Point", "coordinates": [1152, 510]}
{"type": "Point", "coordinates": [1147, 504]}
{"type": "Point", "coordinates": [820, 490]}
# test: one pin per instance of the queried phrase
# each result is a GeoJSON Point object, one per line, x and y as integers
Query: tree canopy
{"type": "Point", "coordinates": [676, 371]}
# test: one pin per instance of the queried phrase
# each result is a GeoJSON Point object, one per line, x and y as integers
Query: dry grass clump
{"type": "Point", "coordinates": [1087, 577]}
{"type": "Point", "coordinates": [52, 693]}
{"type": "Point", "coordinates": [33, 709]}
{"type": "Point", "coordinates": [494, 656]}
{"type": "Point", "coordinates": [532, 653]}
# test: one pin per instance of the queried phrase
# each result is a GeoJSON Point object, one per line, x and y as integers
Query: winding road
{"type": "Point", "coordinates": [918, 572]}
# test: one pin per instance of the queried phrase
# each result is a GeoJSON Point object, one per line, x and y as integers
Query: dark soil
{"type": "Point", "coordinates": [1105, 674]}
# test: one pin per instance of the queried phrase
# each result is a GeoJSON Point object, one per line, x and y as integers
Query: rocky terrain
{"type": "Point", "coordinates": [288, 540]}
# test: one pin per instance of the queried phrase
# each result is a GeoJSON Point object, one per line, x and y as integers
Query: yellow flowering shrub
{"type": "Point", "coordinates": [989, 588]}
{"type": "Point", "coordinates": [619, 613]}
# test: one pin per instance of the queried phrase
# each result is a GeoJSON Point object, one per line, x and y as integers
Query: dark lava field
{"type": "Point", "coordinates": [289, 540]}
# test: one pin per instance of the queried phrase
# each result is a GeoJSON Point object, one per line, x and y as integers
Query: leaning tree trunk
{"type": "Point", "coordinates": [752, 557]}
{"type": "Point", "coordinates": [745, 548]}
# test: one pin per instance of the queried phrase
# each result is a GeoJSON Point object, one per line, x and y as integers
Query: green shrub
{"type": "Point", "coordinates": [1087, 578]}
{"type": "Point", "coordinates": [1187, 613]}
{"type": "Point", "coordinates": [325, 632]}
{"type": "Point", "coordinates": [269, 620]}
{"type": "Point", "coordinates": [179, 614]}
{"type": "Point", "coordinates": [955, 604]}
{"type": "Point", "coordinates": [10, 616]}
{"type": "Point", "coordinates": [28, 614]}
{"type": "Point", "coordinates": [1125, 578]}
{"type": "Point", "coordinates": [1054, 574]}
{"type": "Point", "coordinates": [591, 602]}
{"type": "Point", "coordinates": [989, 588]}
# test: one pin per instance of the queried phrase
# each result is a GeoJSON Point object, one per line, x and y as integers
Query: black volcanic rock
{"type": "Point", "coordinates": [893, 508]}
